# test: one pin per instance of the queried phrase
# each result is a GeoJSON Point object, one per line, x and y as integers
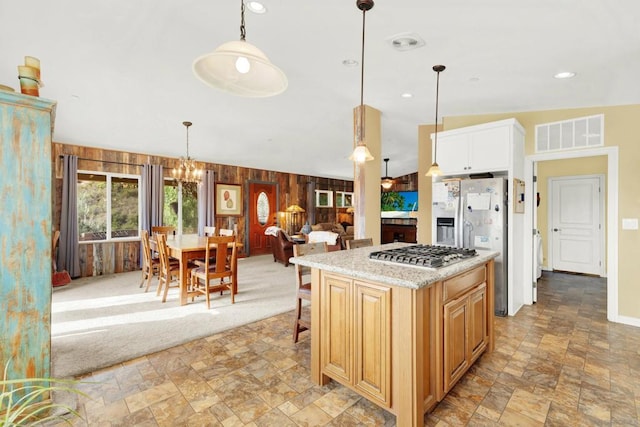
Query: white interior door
{"type": "Point", "coordinates": [576, 231]}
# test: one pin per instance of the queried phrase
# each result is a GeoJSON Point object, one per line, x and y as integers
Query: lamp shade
{"type": "Point", "coordinates": [240, 68]}
{"type": "Point", "coordinates": [361, 154]}
{"type": "Point", "coordinates": [434, 170]}
{"type": "Point", "coordinates": [295, 209]}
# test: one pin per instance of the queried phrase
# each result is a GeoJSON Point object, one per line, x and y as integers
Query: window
{"type": "Point", "coordinates": [181, 206]}
{"type": "Point", "coordinates": [108, 206]}
{"type": "Point", "coordinates": [344, 199]}
{"type": "Point", "coordinates": [324, 199]}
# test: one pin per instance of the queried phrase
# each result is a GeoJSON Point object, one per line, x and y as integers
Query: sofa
{"type": "Point", "coordinates": [345, 233]}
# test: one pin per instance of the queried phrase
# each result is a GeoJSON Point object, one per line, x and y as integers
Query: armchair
{"type": "Point", "coordinates": [282, 247]}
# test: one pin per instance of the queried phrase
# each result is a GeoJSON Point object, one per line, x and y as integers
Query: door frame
{"type": "Point", "coordinates": [612, 221]}
{"type": "Point", "coordinates": [601, 245]}
{"type": "Point", "coordinates": [247, 221]}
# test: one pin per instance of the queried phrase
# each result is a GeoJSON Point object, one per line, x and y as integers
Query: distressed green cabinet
{"type": "Point", "coordinates": [26, 127]}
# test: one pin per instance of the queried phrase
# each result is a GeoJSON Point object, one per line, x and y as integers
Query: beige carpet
{"type": "Point", "coordinates": [101, 321]}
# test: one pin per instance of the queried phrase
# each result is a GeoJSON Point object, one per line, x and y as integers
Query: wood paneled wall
{"type": "Point", "coordinates": [106, 258]}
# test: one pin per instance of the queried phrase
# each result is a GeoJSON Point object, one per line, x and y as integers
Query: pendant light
{"type": "Point", "coordinates": [434, 170]}
{"type": "Point", "coordinates": [361, 153]}
{"type": "Point", "coordinates": [387, 181]}
{"type": "Point", "coordinates": [240, 68]}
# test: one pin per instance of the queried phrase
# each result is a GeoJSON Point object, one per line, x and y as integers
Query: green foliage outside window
{"type": "Point", "coordinates": [92, 206]}
{"type": "Point", "coordinates": [189, 206]}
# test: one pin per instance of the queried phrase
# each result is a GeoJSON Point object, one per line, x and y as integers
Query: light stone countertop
{"type": "Point", "coordinates": [356, 263]}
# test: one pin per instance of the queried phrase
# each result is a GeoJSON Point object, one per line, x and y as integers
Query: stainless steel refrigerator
{"type": "Point", "coordinates": [446, 213]}
{"type": "Point", "coordinates": [484, 226]}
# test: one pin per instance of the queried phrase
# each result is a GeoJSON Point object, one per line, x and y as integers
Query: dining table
{"type": "Point", "coordinates": [186, 247]}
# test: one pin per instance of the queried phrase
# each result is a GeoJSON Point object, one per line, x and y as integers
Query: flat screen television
{"type": "Point", "coordinates": [406, 201]}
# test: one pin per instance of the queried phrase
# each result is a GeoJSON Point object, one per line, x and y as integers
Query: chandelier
{"type": "Point", "coordinates": [187, 171]}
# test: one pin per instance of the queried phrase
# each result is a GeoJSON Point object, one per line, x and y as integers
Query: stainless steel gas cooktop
{"type": "Point", "coordinates": [431, 256]}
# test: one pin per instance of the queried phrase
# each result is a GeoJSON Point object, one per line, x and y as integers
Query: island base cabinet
{"type": "Point", "coordinates": [401, 348]}
{"type": "Point", "coordinates": [465, 333]}
{"type": "Point", "coordinates": [356, 336]}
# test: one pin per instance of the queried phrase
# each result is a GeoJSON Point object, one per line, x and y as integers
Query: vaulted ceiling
{"type": "Point", "coordinates": [121, 71]}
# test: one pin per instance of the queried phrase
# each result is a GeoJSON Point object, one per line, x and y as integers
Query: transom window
{"type": "Point", "coordinates": [108, 206]}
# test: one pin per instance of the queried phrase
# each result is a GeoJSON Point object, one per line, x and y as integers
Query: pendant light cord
{"type": "Point", "coordinates": [187, 124]}
{"type": "Point", "coordinates": [362, 81]}
{"type": "Point", "coordinates": [243, 32]}
{"type": "Point", "coordinates": [437, 69]}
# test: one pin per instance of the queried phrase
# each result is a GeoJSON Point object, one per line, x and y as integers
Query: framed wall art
{"type": "Point", "coordinates": [228, 199]}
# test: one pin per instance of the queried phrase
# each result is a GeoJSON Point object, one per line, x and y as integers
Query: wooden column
{"type": "Point", "coordinates": [425, 158]}
{"type": "Point", "coordinates": [366, 177]}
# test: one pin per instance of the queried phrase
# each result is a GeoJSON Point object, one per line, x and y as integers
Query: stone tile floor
{"type": "Point", "coordinates": [557, 363]}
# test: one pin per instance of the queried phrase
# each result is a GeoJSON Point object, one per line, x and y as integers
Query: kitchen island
{"type": "Point", "coordinates": [401, 336]}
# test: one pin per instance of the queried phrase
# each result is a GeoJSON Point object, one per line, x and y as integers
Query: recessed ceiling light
{"type": "Point", "coordinates": [405, 41]}
{"type": "Point", "coordinates": [350, 63]}
{"type": "Point", "coordinates": [564, 75]}
{"type": "Point", "coordinates": [256, 7]}
{"type": "Point", "coordinates": [407, 95]}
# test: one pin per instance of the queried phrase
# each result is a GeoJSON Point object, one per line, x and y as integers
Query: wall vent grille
{"type": "Point", "coordinates": [582, 132]}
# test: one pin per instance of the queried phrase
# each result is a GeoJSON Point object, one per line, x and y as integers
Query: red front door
{"type": "Point", "coordinates": [262, 214]}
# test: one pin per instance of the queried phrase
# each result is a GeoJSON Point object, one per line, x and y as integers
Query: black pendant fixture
{"type": "Point", "coordinates": [387, 181]}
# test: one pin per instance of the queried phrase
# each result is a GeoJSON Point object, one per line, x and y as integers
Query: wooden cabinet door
{"type": "Point", "coordinates": [478, 332]}
{"type": "Point", "coordinates": [489, 150]}
{"type": "Point", "coordinates": [455, 343]}
{"type": "Point", "coordinates": [372, 308]}
{"type": "Point", "coordinates": [336, 323]}
{"type": "Point", "coordinates": [453, 154]}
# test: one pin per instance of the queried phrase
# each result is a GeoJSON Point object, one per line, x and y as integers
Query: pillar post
{"type": "Point", "coordinates": [366, 177]}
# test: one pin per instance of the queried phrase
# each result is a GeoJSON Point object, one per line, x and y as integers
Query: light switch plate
{"type": "Point", "coordinates": [629, 223]}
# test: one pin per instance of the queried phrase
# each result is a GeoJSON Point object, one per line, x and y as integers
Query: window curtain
{"type": "Point", "coordinates": [206, 202]}
{"type": "Point", "coordinates": [152, 193]}
{"type": "Point", "coordinates": [68, 250]}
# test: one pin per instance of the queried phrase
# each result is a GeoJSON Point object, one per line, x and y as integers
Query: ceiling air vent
{"type": "Point", "coordinates": [405, 41]}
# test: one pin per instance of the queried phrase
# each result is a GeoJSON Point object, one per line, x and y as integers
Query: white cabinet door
{"type": "Point", "coordinates": [489, 150]}
{"type": "Point", "coordinates": [453, 154]}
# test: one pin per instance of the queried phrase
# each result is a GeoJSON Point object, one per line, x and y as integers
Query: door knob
{"type": "Point", "coordinates": [556, 229]}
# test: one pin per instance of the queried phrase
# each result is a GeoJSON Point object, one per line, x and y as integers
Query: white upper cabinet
{"type": "Point", "coordinates": [489, 147]}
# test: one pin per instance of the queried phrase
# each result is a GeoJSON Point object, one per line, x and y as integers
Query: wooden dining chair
{"type": "Point", "coordinates": [219, 275]}
{"type": "Point", "coordinates": [150, 263]}
{"type": "Point", "coordinates": [208, 232]}
{"type": "Point", "coordinates": [162, 229]}
{"type": "Point", "coordinates": [359, 243]}
{"type": "Point", "coordinates": [303, 284]}
{"type": "Point", "coordinates": [168, 269]}
{"type": "Point", "coordinates": [226, 232]}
